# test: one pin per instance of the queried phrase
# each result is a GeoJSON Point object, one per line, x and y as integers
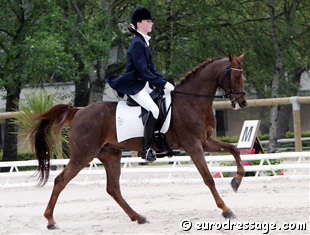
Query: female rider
{"type": "Point", "coordinates": [141, 76]}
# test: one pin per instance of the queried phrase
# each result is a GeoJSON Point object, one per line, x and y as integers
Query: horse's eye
{"type": "Point", "coordinates": [237, 77]}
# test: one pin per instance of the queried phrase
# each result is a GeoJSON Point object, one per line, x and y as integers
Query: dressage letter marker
{"type": "Point", "coordinates": [248, 134]}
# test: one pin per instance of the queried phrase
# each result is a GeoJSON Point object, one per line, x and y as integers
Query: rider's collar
{"type": "Point", "coordinates": [146, 37]}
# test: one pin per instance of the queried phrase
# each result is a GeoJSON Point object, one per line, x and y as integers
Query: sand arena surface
{"type": "Point", "coordinates": [88, 209]}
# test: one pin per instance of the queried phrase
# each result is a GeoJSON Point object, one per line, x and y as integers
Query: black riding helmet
{"type": "Point", "coordinates": [140, 14]}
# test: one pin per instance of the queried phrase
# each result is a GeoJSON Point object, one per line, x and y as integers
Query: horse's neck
{"type": "Point", "coordinates": [202, 84]}
{"type": "Point", "coordinates": [199, 94]}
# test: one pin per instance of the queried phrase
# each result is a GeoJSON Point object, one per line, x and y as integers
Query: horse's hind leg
{"type": "Point", "coordinates": [69, 172]}
{"type": "Point", "coordinates": [111, 159]}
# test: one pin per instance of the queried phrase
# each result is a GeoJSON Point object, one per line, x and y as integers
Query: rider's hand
{"type": "Point", "coordinates": [169, 86]}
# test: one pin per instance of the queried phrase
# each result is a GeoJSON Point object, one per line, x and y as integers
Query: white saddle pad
{"type": "Point", "coordinates": [129, 124]}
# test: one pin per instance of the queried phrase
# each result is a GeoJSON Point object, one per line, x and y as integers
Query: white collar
{"type": "Point", "coordinates": [146, 37]}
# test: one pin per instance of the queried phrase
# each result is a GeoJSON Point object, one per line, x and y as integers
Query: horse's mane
{"type": "Point", "coordinates": [194, 70]}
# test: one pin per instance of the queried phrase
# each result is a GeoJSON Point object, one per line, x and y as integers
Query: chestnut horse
{"type": "Point", "coordinates": [93, 133]}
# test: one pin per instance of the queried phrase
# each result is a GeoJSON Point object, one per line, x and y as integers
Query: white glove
{"type": "Point", "coordinates": [169, 86]}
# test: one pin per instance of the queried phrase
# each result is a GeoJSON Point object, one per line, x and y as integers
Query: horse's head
{"type": "Point", "coordinates": [232, 82]}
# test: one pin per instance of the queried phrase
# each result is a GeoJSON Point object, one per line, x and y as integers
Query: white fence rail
{"type": "Point", "coordinates": [293, 161]}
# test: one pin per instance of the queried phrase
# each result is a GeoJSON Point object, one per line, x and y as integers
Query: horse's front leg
{"type": "Point", "coordinates": [213, 145]}
{"type": "Point", "coordinates": [197, 154]}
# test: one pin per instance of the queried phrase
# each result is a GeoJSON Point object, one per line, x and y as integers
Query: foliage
{"type": "Point", "coordinates": [32, 43]}
{"type": "Point", "coordinates": [44, 41]}
{"type": "Point", "coordinates": [303, 134]}
{"type": "Point", "coordinates": [228, 139]}
{"type": "Point", "coordinates": [47, 41]}
{"type": "Point", "coordinates": [234, 139]}
{"type": "Point", "coordinates": [288, 146]}
{"type": "Point", "coordinates": [22, 156]}
{"type": "Point", "coordinates": [253, 163]}
{"type": "Point", "coordinates": [66, 38]}
{"type": "Point", "coordinates": [263, 136]}
{"type": "Point", "coordinates": [37, 104]}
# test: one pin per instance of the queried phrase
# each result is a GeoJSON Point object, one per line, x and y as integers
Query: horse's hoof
{"type": "Point", "coordinates": [235, 184]}
{"type": "Point", "coordinates": [52, 226]}
{"type": "Point", "coordinates": [228, 215]}
{"type": "Point", "coordinates": [142, 220]}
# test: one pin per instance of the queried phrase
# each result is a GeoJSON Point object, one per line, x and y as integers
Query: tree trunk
{"type": "Point", "coordinates": [82, 91]}
{"type": "Point", "coordinates": [278, 71]}
{"type": "Point", "coordinates": [284, 120]}
{"type": "Point", "coordinates": [97, 83]}
{"type": "Point", "coordinates": [10, 134]}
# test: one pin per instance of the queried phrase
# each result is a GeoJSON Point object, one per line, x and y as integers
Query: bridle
{"type": "Point", "coordinates": [230, 90]}
{"type": "Point", "coordinates": [221, 82]}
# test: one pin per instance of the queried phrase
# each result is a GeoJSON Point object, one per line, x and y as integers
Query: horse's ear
{"type": "Point", "coordinates": [230, 56]}
{"type": "Point", "coordinates": [241, 57]}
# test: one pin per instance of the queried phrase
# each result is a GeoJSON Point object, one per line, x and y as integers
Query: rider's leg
{"type": "Point", "coordinates": [144, 99]}
{"type": "Point", "coordinates": [149, 129]}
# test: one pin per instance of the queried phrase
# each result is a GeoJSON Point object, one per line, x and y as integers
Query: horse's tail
{"type": "Point", "coordinates": [44, 133]}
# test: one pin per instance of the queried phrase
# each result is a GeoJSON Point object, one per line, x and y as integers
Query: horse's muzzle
{"type": "Point", "coordinates": [239, 102]}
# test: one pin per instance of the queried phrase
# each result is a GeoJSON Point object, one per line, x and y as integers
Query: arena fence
{"type": "Point", "coordinates": [294, 101]}
{"type": "Point", "coordinates": [297, 163]}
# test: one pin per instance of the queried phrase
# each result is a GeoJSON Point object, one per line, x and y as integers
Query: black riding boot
{"type": "Point", "coordinates": [149, 129]}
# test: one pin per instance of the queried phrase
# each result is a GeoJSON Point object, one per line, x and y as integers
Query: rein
{"type": "Point", "coordinates": [242, 93]}
{"type": "Point", "coordinates": [200, 95]}
{"type": "Point", "coordinates": [233, 101]}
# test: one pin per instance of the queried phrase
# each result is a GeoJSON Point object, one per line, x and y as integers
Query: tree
{"type": "Point", "coordinates": [284, 30]}
{"type": "Point", "coordinates": [88, 40]}
{"type": "Point", "coordinates": [31, 48]}
{"type": "Point", "coordinates": [72, 40]}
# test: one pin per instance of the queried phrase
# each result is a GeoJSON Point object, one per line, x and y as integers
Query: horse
{"type": "Point", "coordinates": [93, 133]}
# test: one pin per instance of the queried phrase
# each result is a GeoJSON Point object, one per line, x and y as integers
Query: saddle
{"type": "Point", "coordinates": [160, 140]}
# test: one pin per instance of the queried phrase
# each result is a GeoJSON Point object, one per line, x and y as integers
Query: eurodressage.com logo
{"type": "Point", "coordinates": [264, 227]}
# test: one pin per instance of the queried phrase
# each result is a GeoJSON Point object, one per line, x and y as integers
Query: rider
{"type": "Point", "coordinates": [141, 76]}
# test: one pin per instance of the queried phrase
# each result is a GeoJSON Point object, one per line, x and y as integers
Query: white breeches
{"type": "Point", "coordinates": [144, 99]}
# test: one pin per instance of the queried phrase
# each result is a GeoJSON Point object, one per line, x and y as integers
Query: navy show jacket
{"type": "Point", "coordinates": [139, 69]}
